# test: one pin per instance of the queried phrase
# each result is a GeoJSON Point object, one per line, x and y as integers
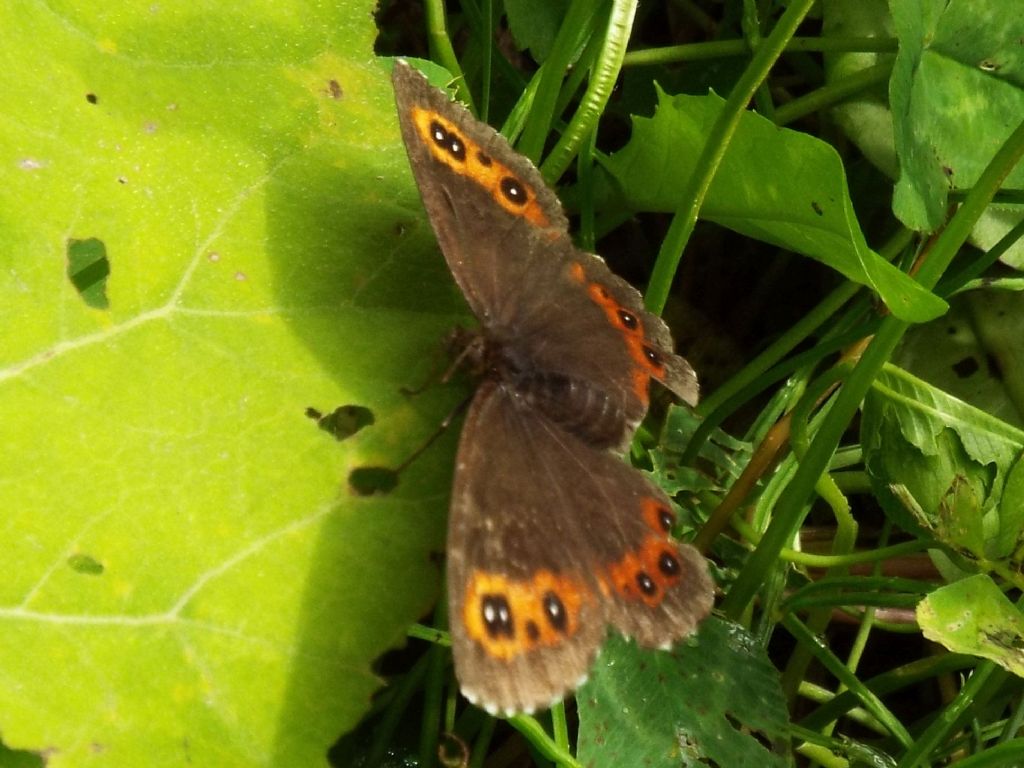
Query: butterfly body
{"type": "Point", "coordinates": [552, 536]}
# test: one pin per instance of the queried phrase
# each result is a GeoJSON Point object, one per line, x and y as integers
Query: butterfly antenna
{"type": "Point", "coordinates": [462, 345]}
{"type": "Point", "coordinates": [467, 350]}
{"type": "Point", "coordinates": [441, 429]}
{"type": "Point", "coordinates": [437, 374]}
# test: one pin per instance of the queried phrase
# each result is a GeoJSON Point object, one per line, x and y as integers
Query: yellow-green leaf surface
{"type": "Point", "coordinates": [187, 578]}
{"type": "Point", "coordinates": [974, 616]}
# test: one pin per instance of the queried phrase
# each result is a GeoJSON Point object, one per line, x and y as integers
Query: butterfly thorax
{"type": "Point", "coordinates": [578, 406]}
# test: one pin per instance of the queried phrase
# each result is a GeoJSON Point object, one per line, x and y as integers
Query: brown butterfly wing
{"type": "Point", "coordinates": [486, 202]}
{"type": "Point", "coordinates": [551, 537]}
{"type": "Point", "coordinates": [608, 334]}
{"type": "Point", "coordinates": [549, 541]}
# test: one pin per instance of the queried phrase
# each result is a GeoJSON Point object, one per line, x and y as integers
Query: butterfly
{"type": "Point", "coordinates": [552, 536]}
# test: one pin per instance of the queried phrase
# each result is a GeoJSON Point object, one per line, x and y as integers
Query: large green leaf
{"type": "Point", "coordinates": [777, 185]}
{"type": "Point", "coordinates": [188, 578]}
{"type": "Point", "coordinates": [974, 616]}
{"type": "Point", "coordinates": [957, 92]}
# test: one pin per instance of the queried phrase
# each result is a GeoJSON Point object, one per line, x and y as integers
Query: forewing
{"type": "Point", "coordinates": [649, 342]}
{"type": "Point", "coordinates": [578, 317]}
{"type": "Point", "coordinates": [485, 202]}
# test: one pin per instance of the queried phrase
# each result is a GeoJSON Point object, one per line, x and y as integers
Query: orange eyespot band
{"type": "Point", "coordinates": [509, 617]}
{"type": "Point", "coordinates": [449, 145]}
{"type": "Point", "coordinates": [648, 361]}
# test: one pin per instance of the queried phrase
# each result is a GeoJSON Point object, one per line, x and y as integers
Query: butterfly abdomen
{"type": "Point", "coordinates": [588, 412]}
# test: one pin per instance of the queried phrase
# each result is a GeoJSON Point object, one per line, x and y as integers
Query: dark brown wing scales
{"type": "Point", "coordinates": [550, 540]}
{"type": "Point", "coordinates": [577, 343]}
{"type": "Point", "coordinates": [470, 148]}
{"type": "Point", "coordinates": [526, 619]}
{"type": "Point", "coordinates": [506, 240]}
{"type": "Point", "coordinates": [647, 338]}
{"type": "Point", "coordinates": [483, 199]}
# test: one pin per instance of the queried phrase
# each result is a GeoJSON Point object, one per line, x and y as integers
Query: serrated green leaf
{"type": "Point", "coordinates": [700, 703]}
{"type": "Point", "coordinates": [952, 459]}
{"type": "Point", "coordinates": [957, 92]}
{"type": "Point", "coordinates": [926, 411]}
{"type": "Point", "coordinates": [774, 184]}
{"type": "Point", "coordinates": [188, 578]}
{"type": "Point", "coordinates": [974, 616]}
{"type": "Point", "coordinates": [724, 457]}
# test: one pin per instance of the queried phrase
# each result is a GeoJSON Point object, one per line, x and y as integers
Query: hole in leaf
{"type": "Point", "coordinates": [88, 269]}
{"type": "Point", "coordinates": [92, 98]}
{"type": "Point", "coordinates": [757, 735]}
{"type": "Point", "coordinates": [85, 564]}
{"type": "Point", "coordinates": [367, 481]}
{"type": "Point", "coordinates": [342, 422]}
{"type": "Point", "coordinates": [966, 367]}
{"type": "Point", "coordinates": [689, 746]}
